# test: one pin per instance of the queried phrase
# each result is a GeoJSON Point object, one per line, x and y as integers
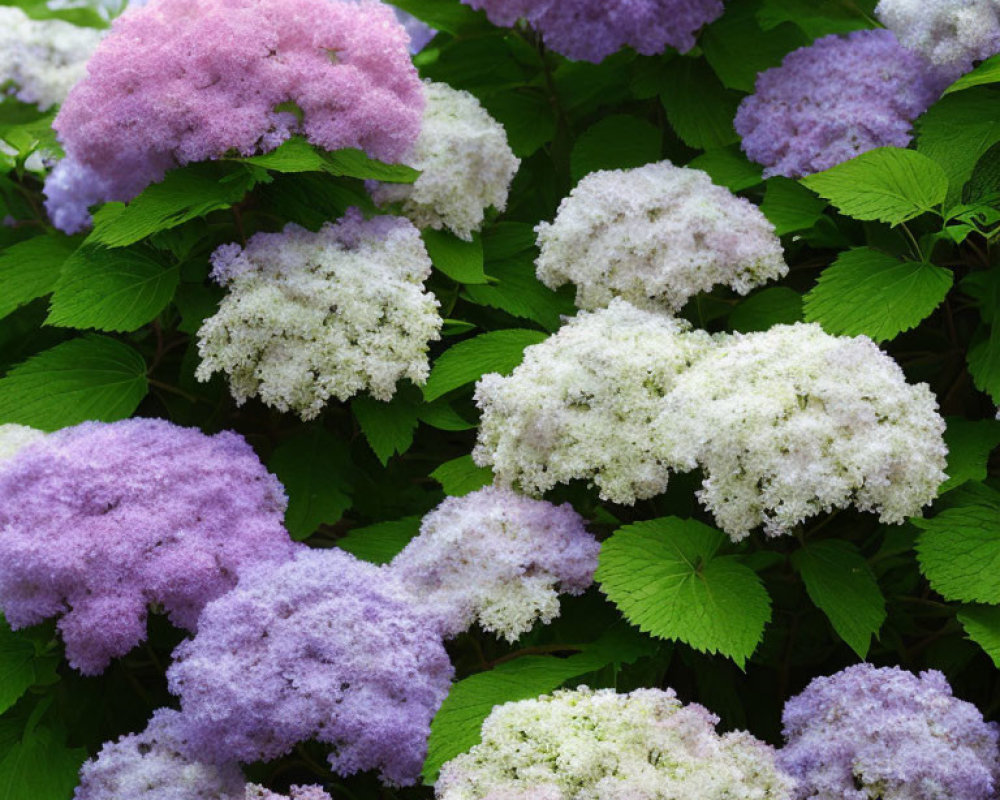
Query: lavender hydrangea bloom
{"type": "Point", "coordinates": [322, 647]}
{"type": "Point", "coordinates": [99, 520]}
{"type": "Point", "coordinates": [590, 30]}
{"type": "Point", "coordinates": [868, 732]}
{"type": "Point", "coordinates": [498, 558]}
{"type": "Point", "coordinates": [150, 766]}
{"type": "Point", "coordinates": [835, 99]}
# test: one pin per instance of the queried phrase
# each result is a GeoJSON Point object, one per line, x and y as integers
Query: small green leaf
{"type": "Point", "coordinates": [89, 378]}
{"type": "Point", "coordinates": [380, 543]}
{"type": "Point", "coordinates": [665, 577]}
{"type": "Point", "coordinates": [869, 292]}
{"type": "Point", "coordinates": [460, 260]}
{"type": "Point", "coordinates": [388, 427]}
{"type": "Point", "coordinates": [987, 72]}
{"type": "Point", "coordinates": [30, 269]}
{"type": "Point", "coordinates": [790, 206]}
{"type": "Point", "coordinates": [982, 624]}
{"type": "Point", "coordinates": [294, 155]}
{"type": "Point", "coordinates": [776, 305]}
{"type": "Point", "coordinates": [699, 108]}
{"type": "Point", "coordinates": [840, 583]}
{"type": "Point", "coordinates": [460, 476]}
{"type": "Point", "coordinates": [817, 17]}
{"type": "Point", "coordinates": [467, 361]}
{"type": "Point", "coordinates": [442, 15]}
{"type": "Point", "coordinates": [518, 292]}
{"type": "Point", "coordinates": [40, 767]}
{"type": "Point", "coordinates": [969, 446]}
{"type": "Point", "coordinates": [886, 184]}
{"type": "Point", "coordinates": [352, 163]}
{"type": "Point", "coordinates": [984, 362]}
{"type": "Point", "coordinates": [17, 666]}
{"type": "Point", "coordinates": [444, 417]}
{"type": "Point", "coordinates": [728, 167]}
{"type": "Point", "coordinates": [620, 141]}
{"type": "Point", "coordinates": [527, 116]}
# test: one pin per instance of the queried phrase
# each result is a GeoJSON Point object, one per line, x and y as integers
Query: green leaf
{"type": "Point", "coordinates": [467, 361]}
{"type": "Point", "coordinates": [619, 141]}
{"type": "Point", "coordinates": [761, 311]}
{"type": "Point", "coordinates": [315, 469]}
{"type": "Point", "coordinates": [17, 666]}
{"type": "Point", "coordinates": [527, 116]}
{"type": "Point", "coordinates": [984, 362]}
{"type": "Point", "coordinates": [840, 582]}
{"type": "Point", "coordinates": [460, 476]}
{"type": "Point", "coordinates": [790, 207]}
{"type": "Point", "coordinates": [869, 292]}
{"type": "Point", "coordinates": [294, 155]}
{"type": "Point", "coordinates": [89, 378]}
{"type": "Point", "coordinates": [444, 417]}
{"type": "Point", "coordinates": [111, 290]}
{"type": "Point", "coordinates": [519, 292]}
{"type": "Point", "coordinates": [40, 767]}
{"type": "Point", "coordinates": [380, 543]}
{"type": "Point", "coordinates": [699, 108]}
{"type": "Point", "coordinates": [817, 18]}
{"type": "Point", "coordinates": [983, 186]}
{"type": "Point", "coordinates": [959, 551]}
{"type": "Point", "coordinates": [30, 269]}
{"type": "Point", "coordinates": [352, 163]}
{"type": "Point", "coordinates": [460, 260]}
{"type": "Point", "coordinates": [728, 167]}
{"type": "Point", "coordinates": [388, 427]}
{"type": "Point", "coordinates": [982, 624]}
{"type": "Point", "coordinates": [886, 184]}
{"type": "Point", "coordinates": [987, 72]}
{"type": "Point", "coordinates": [442, 15]}
{"type": "Point", "coordinates": [665, 577]}
{"type": "Point", "coordinates": [969, 446]}
{"type": "Point", "coordinates": [457, 725]}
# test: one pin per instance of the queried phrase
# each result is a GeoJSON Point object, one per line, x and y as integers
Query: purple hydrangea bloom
{"type": "Point", "coordinates": [835, 99]}
{"type": "Point", "coordinates": [322, 647]}
{"type": "Point", "coordinates": [590, 30]}
{"type": "Point", "coordinates": [868, 732]}
{"type": "Point", "coordinates": [99, 520]}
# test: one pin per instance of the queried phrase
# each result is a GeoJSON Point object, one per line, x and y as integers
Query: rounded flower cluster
{"type": "Point", "coordinates": [179, 81]}
{"type": "Point", "coordinates": [14, 438]}
{"type": "Point", "coordinates": [151, 766]}
{"type": "Point", "coordinates": [311, 316]}
{"type": "Point", "coordinates": [868, 732]}
{"type": "Point", "coordinates": [465, 162]}
{"type": "Point", "coordinates": [41, 60]}
{"type": "Point", "coordinates": [600, 745]}
{"type": "Point", "coordinates": [589, 30]}
{"type": "Point", "coordinates": [791, 422]}
{"type": "Point", "coordinates": [322, 647]}
{"type": "Point", "coordinates": [949, 33]}
{"type": "Point", "coordinates": [581, 404]}
{"type": "Point", "coordinates": [656, 235]}
{"type": "Point", "coordinates": [255, 792]}
{"type": "Point", "coordinates": [100, 520]}
{"type": "Point", "coordinates": [498, 558]}
{"type": "Point", "coordinates": [835, 99]}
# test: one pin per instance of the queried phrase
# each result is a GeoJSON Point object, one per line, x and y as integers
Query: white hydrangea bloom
{"type": "Point", "coordinates": [40, 60]}
{"type": "Point", "coordinates": [656, 236]}
{"type": "Point", "coordinates": [581, 404]}
{"type": "Point", "coordinates": [791, 422]}
{"type": "Point", "coordinates": [499, 558]}
{"type": "Point", "coordinates": [465, 162]}
{"type": "Point", "coordinates": [311, 316]}
{"type": "Point", "coordinates": [14, 437]}
{"type": "Point", "coordinates": [600, 745]}
{"type": "Point", "coordinates": [950, 33]}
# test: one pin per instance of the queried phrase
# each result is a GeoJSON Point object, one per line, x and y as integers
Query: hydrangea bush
{"type": "Point", "coordinates": [622, 375]}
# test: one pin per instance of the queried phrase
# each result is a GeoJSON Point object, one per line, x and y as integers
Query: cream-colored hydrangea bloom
{"type": "Point", "coordinates": [949, 33]}
{"type": "Point", "coordinates": [14, 437]}
{"type": "Point", "coordinates": [465, 162]}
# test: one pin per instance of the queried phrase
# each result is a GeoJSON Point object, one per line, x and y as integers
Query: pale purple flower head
{"type": "Point", "coordinates": [179, 81]}
{"type": "Point", "coordinates": [100, 520]}
{"type": "Point", "coordinates": [835, 99]}
{"type": "Point", "coordinates": [254, 792]}
{"type": "Point", "coordinates": [322, 647]}
{"type": "Point", "coordinates": [590, 30]}
{"type": "Point", "coordinates": [869, 732]}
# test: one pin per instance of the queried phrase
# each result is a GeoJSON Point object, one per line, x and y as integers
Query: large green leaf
{"type": "Point", "coordinates": [982, 624]}
{"type": "Point", "coordinates": [869, 292]}
{"type": "Point", "coordinates": [840, 582]}
{"type": "Point", "coordinates": [17, 666]}
{"type": "Point", "coordinates": [776, 305]}
{"type": "Point", "coordinates": [699, 108]}
{"type": "Point", "coordinates": [460, 476]}
{"type": "Point", "coordinates": [987, 72]}
{"type": "Point", "coordinates": [89, 378]}
{"type": "Point", "coordinates": [460, 260]}
{"type": "Point", "coordinates": [666, 577]}
{"type": "Point", "coordinates": [790, 206]}
{"type": "Point", "coordinates": [30, 269]}
{"type": "Point", "coordinates": [969, 446]}
{"type": "Point", "coordinates": [467, 361]}
{"type": "Point", "coordinates": [727, 166]}
{"type": "Point", "coordinates": [518, 291]}
{"type": "Point", "coordinates": [620, 141]}
{"type": "Point", "coordinates": [818, 17]}
{"type": "Point", "coordinates": [886, 184]}
{"type": "Point", "coordinates": [40, 767]}
{"type": "Point", "coordinates": [381, 542]}
{"type": "Point", "coordinates": [984, 354]}
{"type": "Point", "coordinates": [388, 427]}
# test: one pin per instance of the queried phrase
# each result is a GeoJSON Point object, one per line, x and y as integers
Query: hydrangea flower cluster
{"type": "Point", "coordinates": [151, 766]}
{"type": "Point", "coordinates": [792, 421]}
{"type": "Point", "coordinates": [255, 792]}
{"type": "Point", "coordinates": [14, 438]}
{"type": "Point", "coordinates": [834, 99]}
{"type": "Point", "coordinates": [311, 316]}
{"type": "Point", "coordinates": [179, 81]}
{"type": "Point", "coordinates": [465, 162]}
{"type": "Point", "coordinates": [868, 732]}
{"type": "Point", "coordinates": [498, 558]}
{"type": "Point", "coordinates": [949, 33]}
{"type": "Point", "coordinates": [600, 745]}
{"type": "Point", "coordinates": [99, 520]}
{"type": "Point", "coordinates": [656, 235]}
{"type": "Point", "coordinates": [41, 60]}
{"type": "Point", "coordinates": [581, 404]}
{"type": "Point", "coordinates": [322, 647]}
{"type": "Point", "coordinates": [590, 30]}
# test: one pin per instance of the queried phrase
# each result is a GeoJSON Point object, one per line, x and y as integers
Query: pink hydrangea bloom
{"type": "Point", "coordinates": [99, 520]}
{"type": "Point", "coordinates": [178, 81]}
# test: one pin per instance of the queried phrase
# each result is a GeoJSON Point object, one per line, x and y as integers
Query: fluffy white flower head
{"type": "Point", "coordinates": [656, 236]}
{"type": "Point", "coordinates": [465, 162]}
{"type": "Point", "coordinates": [791, 422]}
{"type": "Point", "coordinates": [950, 33]}
{"type": "Point", "coordinates": [581, 404]}
{"type": "Point", "coordinates": [40, 60]}
{"type": "Point", "coordinates": [311, 316]}
{"type": "Point", "coordinates": [498, 558]}
{"type": "Point", "coordinates": [600, 745]}
{"type": "Point", "coordinates": [14, 437]}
